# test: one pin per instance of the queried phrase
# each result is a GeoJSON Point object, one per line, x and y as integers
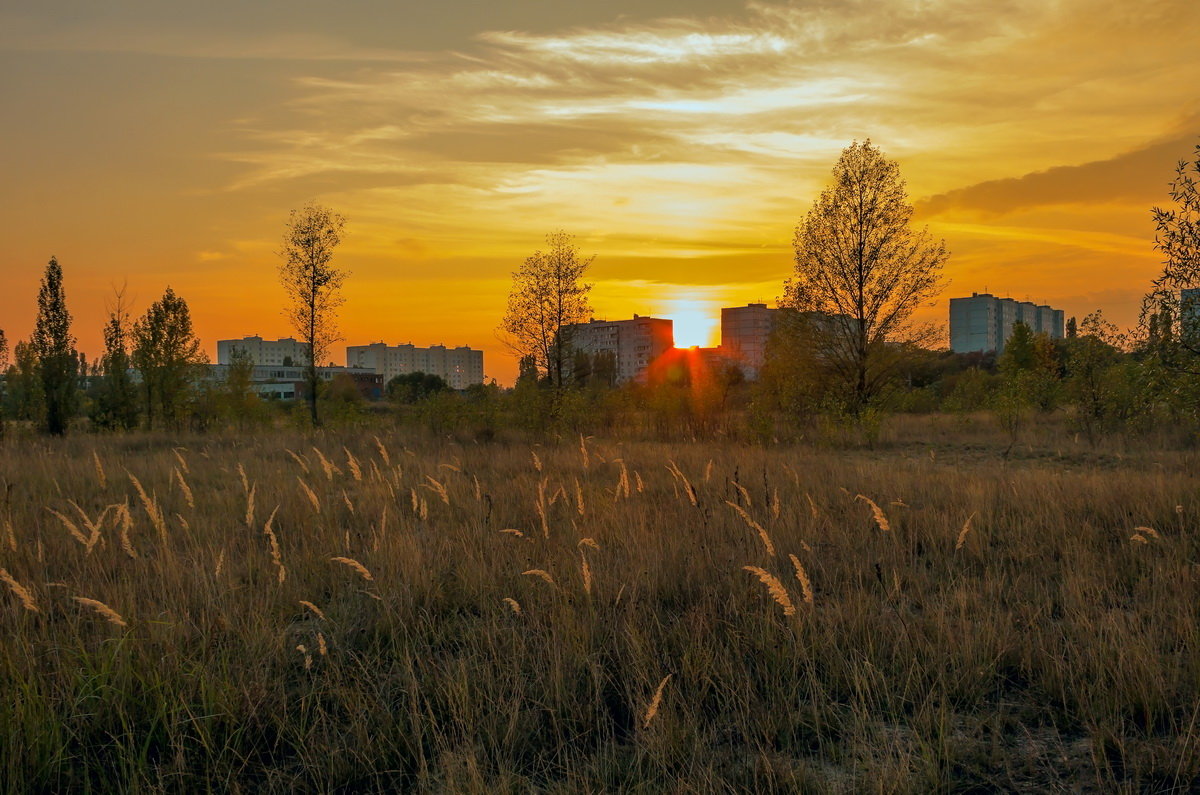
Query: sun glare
{"type": "Point", "coordinates": [695, 323]}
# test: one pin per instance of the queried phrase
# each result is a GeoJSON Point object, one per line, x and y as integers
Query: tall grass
{"type": "Point", "coordinates": [594, 615]}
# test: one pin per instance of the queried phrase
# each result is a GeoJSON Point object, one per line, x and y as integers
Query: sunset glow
{"type": "Point", "coordinates": [680, 143]}
{"type": "Point", "coordinates": [697, 322]}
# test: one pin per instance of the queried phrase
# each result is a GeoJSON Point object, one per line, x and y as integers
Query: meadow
{"type": "Point", "coordinates": [355, 610]}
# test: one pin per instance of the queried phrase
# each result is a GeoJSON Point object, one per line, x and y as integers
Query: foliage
{"type": "Point", "coordinates": [53, 348]}
{"type": "Point", "coordinates": [3, 388]}
{"type": "Point", "coordinates": [863, 271]}
{"type": "Point", "coordinates": [239, 400]}
{"type": "Point", "coordinates": [167, 355]}
{"type": "Point", "coordinates": [313, 286]}
{"type": "Point", "coordinates": [547, 297]}
{"type": "Point", "coordinates": [409, 388]}
{"type": "Point", "coordinates": [114, 398]}
{"type": "Point", "coordinates": [1030, 368]}
{"type": "Point", "coordinates": [1090, 359]}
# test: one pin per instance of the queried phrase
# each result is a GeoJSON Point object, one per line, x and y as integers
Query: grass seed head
{"type": "Point", "coordinates": [354, 564]}
{"type": "Point", "coordinates": [110, 615]}
{"type": "Point", "coordinates": [775, 588]}
{"type": "Point", "coordinates": [20, 591]}
{"type": "Point", "coordinates": [655, 702]}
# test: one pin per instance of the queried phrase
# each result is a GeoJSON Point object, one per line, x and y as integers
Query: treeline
{"type": "Point", "coordinates": [846, 353]}
{"type": "Point", "coordinates": [152, 372]}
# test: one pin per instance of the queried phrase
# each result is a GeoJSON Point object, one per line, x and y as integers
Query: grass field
{"type": "Point", "coordinates": [341, 611]}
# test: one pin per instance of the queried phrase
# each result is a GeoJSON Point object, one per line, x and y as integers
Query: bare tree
{"type": "Point", "coordinates": [312, 285]}
{"type": "Point", "coordinates": [547, 297]}
{"type": "Point", "coordinates": [862, 271]}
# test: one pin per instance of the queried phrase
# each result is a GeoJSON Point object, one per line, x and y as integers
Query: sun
{"type": "Point", "coordinates": [695, 323]}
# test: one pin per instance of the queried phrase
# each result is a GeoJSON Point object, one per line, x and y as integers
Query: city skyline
{"type": "Point", "coordinates": [680, 143]}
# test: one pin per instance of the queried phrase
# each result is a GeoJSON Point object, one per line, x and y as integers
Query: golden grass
{"type": "Point", "coordinates": [962, 534]}
{"type": "Point", "coordinates": [20, 591]}
{"type": "Point", "coordinates": [802, 578]}
{"type": "Point", "coordinates": [541, 574]}
{"type": "Point", "coordinates": [655, 702]}
{"type": "Point", "coordinates": [1053, 649]}
{"type": "Point", "coordinates": [774, 588]}
{"type": "Point", "coordinates": [881, 519]}
{"type": "Point", "coordinates": [764, 537]}
{"type": "Point", "coordinates": [103, 610]}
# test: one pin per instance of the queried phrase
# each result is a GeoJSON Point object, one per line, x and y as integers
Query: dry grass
{"type": "Point", "coordinates": [1048, 642]}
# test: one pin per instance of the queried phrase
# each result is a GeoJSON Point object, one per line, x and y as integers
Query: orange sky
{"type": "Point", "coordinates": [156, 144]}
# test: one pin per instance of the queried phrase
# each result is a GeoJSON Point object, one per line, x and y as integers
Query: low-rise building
{"type": "Point", "coordinates": [290, 382]}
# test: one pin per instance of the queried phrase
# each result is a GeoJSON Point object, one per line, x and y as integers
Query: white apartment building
{"type": "Point", "coordinates": [634, 343]}
{"type": "Point", "coordinates": [459, 367]}
{"type": "Point", "coordinates": [264, 352]}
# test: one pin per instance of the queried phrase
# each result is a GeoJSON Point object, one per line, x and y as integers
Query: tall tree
{"type": "Point", "coordinates": [863, 271]}
{"type": "Point", "coordinates": [167, 354]}
{"type": "Point", "coordinates": [23, 385]}
{"type": "Point", "coordinates": [1172, 317]}
{"type": "Point", "coordinates": [312, 285]}
{"type": "Point", "coordinates": [547, 297]}
{"type": "Point", "coordinates": [54, 348]}
{"type": "Point", "coordinates": [115, 404]}
{"type": "Point", "coordinates": [3, 372]}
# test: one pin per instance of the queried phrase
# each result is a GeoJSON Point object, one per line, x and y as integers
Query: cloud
{"type": "Point", "coordinates": [1137, 177]}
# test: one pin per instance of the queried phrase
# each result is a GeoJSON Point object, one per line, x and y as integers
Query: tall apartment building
{"type": "Point", "coordinates": [744, 334]}
{"type": "Point", "coordinates": [264, 352]}
{"type": "Point", "coordinates": [634, 343]}
{"type": "Point", "coordinates": [984, 322]}
{"type": "Point", "coordinates": [459, 367]}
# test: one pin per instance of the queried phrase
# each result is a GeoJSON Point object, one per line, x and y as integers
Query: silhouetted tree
{"type": "Point", "coordinates": [115, 399]}
{"type": "Point", "coordinates": [547, 297]}
{"type": "Point", "coordinates": [312, 285]}
{"type": "Point", "coordinates": [166, 352]}
{"type": "Point", "coordinates": [1090, 358]}
{"type": "Point", "coordinates": [23, 385]}
{"type": "Point", "coordinates": [240, 400]}
{"type": "Point", "coordinates": [414, 387]}
{"type": "Point", "coordinates": [861, 266]}
{"type": "Point", "coordinates": [4, 372]}
{"type": "Point", "coordinates": [54, 349]}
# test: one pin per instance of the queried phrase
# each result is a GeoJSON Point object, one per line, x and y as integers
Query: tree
{"type": "Point", "coordinates": [1090, 358]}
{"type": "Point", "coordinates": [411, 388]}
{"type": "Point", "coordinates": [547, 297]}
{"type": "Point", "coordinates": [23, 385]}
{"type": "Point", "coordinates": [115, 404]}
{"type": "Point", "coordinates": [166, 352]}
{"type": "Point", "coordinates": [3, 372]}
{"type": "Point", "coordinates": [237, 393]}
{"type": "Point", "coordinates": [864, 270]}
{"type": "Point", "coordinates": [54, 350]}
{"type": "Point", "coordinates": [312, 285]}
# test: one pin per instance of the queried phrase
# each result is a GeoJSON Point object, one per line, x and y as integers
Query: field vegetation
{"type": "Point", "coordinates": [388, 610]}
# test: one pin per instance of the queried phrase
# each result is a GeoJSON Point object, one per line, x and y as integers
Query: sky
{"type": "Point", "coordinates": [148, 143]}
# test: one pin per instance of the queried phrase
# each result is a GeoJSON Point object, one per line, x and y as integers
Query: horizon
{"type": "Point", "coordinates": [679, 142]}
